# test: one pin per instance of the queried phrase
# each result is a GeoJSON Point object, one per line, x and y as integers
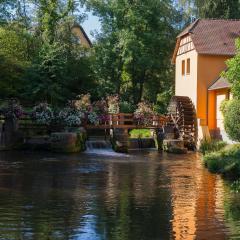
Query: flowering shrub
{"type": "Point", "coordinates": [82, 103]}
{"type": "Point", "coordinates": [43, 114]}
{"type": "Point", "coordinates": [98, 113]}
{"type": "Point", "coordinates": [93, 118]}
{"type": "Point", "coordinates": [12, 110]}
{"type": "Point", "coordinates": [71, 116]}
{"type": "Point", "coordinates": [143, 114]}
{"type": "Point", "coordinates": [113, 104]}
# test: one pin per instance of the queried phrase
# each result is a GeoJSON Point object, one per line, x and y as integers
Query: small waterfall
{"type": "Point", "coordinates": [100, 146]}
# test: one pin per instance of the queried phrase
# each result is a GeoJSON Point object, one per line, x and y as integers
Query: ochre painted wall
{"type": "Point", "coordinates": [187, 85]}
{"type": "Point", "coordinates": [205, 69]}
{"type": "Point", "coordinates": [212, 110]}
{"type": "Point", "coordinates": [209, 69]}
{"type": "Point", "coordinates": [77, 32]}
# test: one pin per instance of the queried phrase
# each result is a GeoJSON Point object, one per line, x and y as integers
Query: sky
{"type": "Point", "coordinates": [91, 24]}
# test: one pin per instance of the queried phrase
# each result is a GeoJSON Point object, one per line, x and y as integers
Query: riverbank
{"type": "Point", "coordinates": [222, 159]}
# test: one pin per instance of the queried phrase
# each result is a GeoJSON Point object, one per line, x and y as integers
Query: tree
{"type": "Point", "coordinates": [231, 119]}
{"type": "Point", "coordinates": [16, 48]}
{"type": "Point", "coordinates": [135, 46]}
{"type": "Point", "coordinates": [47, 74]}
{"type": "Point", "coordinates": [233, 72]}
{"type": "Point", "coordinates": [227, 9]}
{"type": "Point", "coordinates": [60, 71]}
{"type": "Point", "coordinates": [6, 8]}
{"type": "Point", "coordinates": [231, 109]}
{"type": "Point", "coordinates": [50, 14]}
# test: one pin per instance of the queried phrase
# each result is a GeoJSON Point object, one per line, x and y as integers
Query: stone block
{"type": "Point", "coordinates": [67, 142]}
{"type": "Point", "coordinates": [174, 146]}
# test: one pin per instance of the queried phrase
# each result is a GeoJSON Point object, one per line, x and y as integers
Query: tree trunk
{"type": "Point", "coordinates": [142, 80]}
{"type": "Point", "coordinates": [119, 76]}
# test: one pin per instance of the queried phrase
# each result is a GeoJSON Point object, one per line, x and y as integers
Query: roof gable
{"type": "Point", "coordinates": [84, 34]}
{"type": "Point", "coordinates": [220, 83]}
{"type": "Point", "coordinates": [212, 36]}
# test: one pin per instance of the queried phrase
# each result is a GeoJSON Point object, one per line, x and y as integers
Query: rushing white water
{"type": "Point", "coordinates": [101, 147]}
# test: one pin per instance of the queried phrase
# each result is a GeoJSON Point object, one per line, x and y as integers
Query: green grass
{"type": "Point", "coordinates": [140, 133]}
{"type": "Point", "coordinates": [225, 161]}
{"type": "Point", "coordinates": [208, 146]}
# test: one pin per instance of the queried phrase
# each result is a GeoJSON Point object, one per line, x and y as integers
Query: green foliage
{"type": "Point", "coordinates": [232, 210]}
{"type": "Point", "coordinates": [225, 161]}
{"type": "Point", "coordinates": [39, 58]}
{"type": "Point", "coordinates": [15, 56]}
{"type": "Point", "coordinates": [235, 187]}
{"type": "Point", "coordinates": [48, 74]}
{"type": "Point", "coordinates": [224, 105]}
{"type": "Point", "coordinates": [233, 72]}
{"type": "Point", "coordinates": [6, 8]}
{"type": "Point", "coordinates": [227, 9]}
{"type": "Point", "coordinates": [231, 119]}
{"type": "Point", "coordinates": [207, 146]}
{"type": "Point", "coordinates": [140, 133]}
{"type": "Point", "coordinates": [50, 14]}
{"type": "Point", "coordinates": [126, 107]}
{"type": "Point", "coordinates": [163, 100]}
{"type": "Point", "coordinates": [135, 47]}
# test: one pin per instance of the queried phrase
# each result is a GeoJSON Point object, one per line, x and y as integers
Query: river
{"type": "Point", "coordinates": [141, 196]}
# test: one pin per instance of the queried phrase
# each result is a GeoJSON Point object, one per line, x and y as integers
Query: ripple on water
{"type": "Point", "coordinates": [145, 195]}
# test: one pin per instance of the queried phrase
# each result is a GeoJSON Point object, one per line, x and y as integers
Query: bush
{"type": "Point", "coordinates": [42, 114]}
{"type": "Point", "coordinates": [113, 104]}
{"type": "Point", "coordinates": [207, 146]}
{"type": "Point", "coordinates": [231, 119]}
{"type": "Point", "coordinates": [126, 107]}
{"type": "Point", "coordinates": [235, 186]}
{"type": "Point", "coordinates": [143, 114]}
{"type": "Point", "coordinates": [225, 161]}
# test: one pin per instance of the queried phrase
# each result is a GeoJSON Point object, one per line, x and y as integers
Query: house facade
{"type": "Point", "coordinates": [200, 56]}
{"type": "Point", "coordinates": [82, 37]}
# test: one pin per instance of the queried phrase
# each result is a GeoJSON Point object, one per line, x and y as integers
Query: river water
{"type": "Point", "coordinates": [141, 196]}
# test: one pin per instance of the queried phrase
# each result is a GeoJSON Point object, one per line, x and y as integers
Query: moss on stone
{"type": "Point", "coordinates": [68, 142]}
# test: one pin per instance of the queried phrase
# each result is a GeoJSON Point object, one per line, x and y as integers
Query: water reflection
{"type": "Point", "coordinates": [144, 196]}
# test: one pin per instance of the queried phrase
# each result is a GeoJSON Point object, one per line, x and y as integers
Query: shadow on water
{"type": "Point", "coordinates": [145, 196]}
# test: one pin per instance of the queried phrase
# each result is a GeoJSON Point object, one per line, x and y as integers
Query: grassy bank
{"type": "Point", "coordinates": [140, 133]}
{"type": "Point", "coordinates": [223, 159]}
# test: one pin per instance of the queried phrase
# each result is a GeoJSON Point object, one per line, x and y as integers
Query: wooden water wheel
{"type": "Point", "coordinates": [182, 116]}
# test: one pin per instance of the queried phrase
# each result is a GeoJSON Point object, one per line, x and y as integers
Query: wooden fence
{"type": "Point", "coordinates": [127, 121]}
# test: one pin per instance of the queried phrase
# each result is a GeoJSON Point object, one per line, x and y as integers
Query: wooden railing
{"type": "Point", "coordinates": [127, 121]}
{"type": "Point", "coordinates": [121, 120]}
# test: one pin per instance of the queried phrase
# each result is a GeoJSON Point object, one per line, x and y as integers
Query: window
{"type": "Point", "coordinates": [188, 66]}
{"type": "Point", "coordinates": [183, 67]}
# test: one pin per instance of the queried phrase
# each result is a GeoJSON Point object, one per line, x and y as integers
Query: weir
{"type": "Point", "coordinates": [100, 146]}
{"type": "Point", "coordinates": [181, 119]}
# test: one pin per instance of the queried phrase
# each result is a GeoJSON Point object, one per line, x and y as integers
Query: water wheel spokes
{"type": "Point", "coordinates": [182, 115]}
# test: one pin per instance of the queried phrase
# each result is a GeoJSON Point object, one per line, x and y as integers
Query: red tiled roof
{"type": "Point", "coordinates": [220, 83]}
{"type": "Point", "coordinates": [188, 29]}
{"type": "Point", "coordinates": [214, 36]}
